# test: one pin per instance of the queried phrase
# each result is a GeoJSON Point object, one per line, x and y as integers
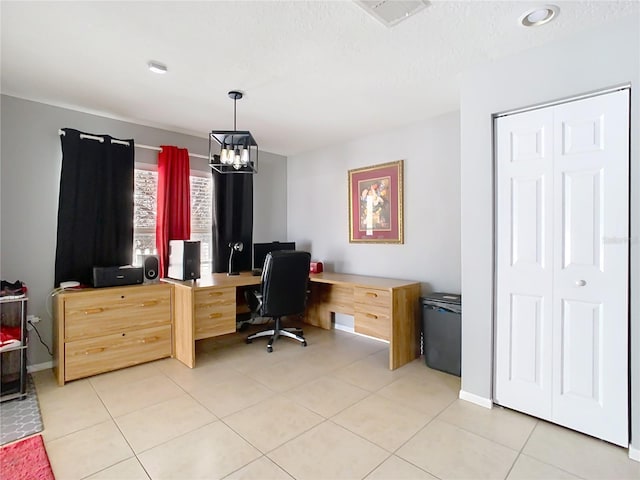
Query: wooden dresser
{"type": "Point", "coordinates": [104, 329]}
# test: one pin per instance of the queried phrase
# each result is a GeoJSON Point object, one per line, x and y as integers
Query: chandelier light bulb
{"type": "Point", "coordinates": [245, 156]}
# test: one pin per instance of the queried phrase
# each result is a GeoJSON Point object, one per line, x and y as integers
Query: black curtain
{"type": "Point", "coordinates": [232, 220]}
{"type": "Point", "coordinates": [95, 207]}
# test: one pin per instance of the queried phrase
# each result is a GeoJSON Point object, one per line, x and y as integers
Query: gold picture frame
{"type": "Point", "coordinates": [375, 203]}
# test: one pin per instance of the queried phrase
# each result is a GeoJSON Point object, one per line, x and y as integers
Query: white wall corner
{"type": "Point", "coordinates": [40, 366]}
{"type": "Point", "coordinates": [470, 397]}
{"type": "Point", "coordinates": [634, 453]}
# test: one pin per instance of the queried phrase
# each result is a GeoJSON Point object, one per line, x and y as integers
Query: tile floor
{"type": "Point", "coordinates": [329, 411]}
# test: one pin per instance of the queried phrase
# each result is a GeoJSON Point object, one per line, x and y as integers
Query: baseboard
{"type": "Point", "coordinates": [344, 328]}
{"type": "Point", "coordinates": [39, 366]}
{"type": "Point", "coordinates": [470, 397]}
{"type": "Point", "coordinates": [634, 454]}
{"type": "Point", "coordinates": [347, 328]}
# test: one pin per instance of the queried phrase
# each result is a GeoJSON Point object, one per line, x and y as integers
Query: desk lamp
{"type": "Point", "coordinates": [235, 247]}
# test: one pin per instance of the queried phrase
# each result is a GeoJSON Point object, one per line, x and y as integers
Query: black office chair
{"type": "Point", "coordinates": [283, 291]}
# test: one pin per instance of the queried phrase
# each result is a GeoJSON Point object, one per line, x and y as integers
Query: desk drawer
{"type": "Point", "coordinates": [215, 312]}
{"type": "Point", "coordinates": [373, 321]}
{"type": "Point", "coordinates": [372, 296]}
{"type": "Point", "coordinates": [111, 352]}
{"type": "Point", "coordinates": [103, 312]}
{"type": "Point", "coordinates": [215, 296]}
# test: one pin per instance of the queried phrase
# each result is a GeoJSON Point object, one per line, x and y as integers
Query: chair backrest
{"type": "Point", "coordinates": [285, 276]}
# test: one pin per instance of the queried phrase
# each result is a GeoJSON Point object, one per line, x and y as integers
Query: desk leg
{"type": "Point", "coordinates": [184, 326]}
{"type": "Point", "coordinates": [318, 316]}
{"type": "Point", "coordinates": [402, 346]}
{"type": "Point", "coordinates": [318, 311]}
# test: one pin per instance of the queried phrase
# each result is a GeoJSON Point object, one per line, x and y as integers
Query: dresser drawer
{"type": "Point", "coordinates": [111, 352]}
{"type": "Point", "coordinates": [215, 312]}
{"type": "Point", "coordinates": [115, 310]}
{"type": "Point", "coordinates": [372, 320]}
{"type": "Point", "coordinates": [372, 296]}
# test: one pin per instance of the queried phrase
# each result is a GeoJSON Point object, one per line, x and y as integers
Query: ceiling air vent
{"type": "Point", "coordinates": [392, 12]}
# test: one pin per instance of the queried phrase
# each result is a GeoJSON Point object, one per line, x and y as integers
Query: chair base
{"type": "Point", "coordinates": [277, 331]}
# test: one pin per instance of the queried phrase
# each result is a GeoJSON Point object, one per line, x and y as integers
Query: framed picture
{"type": "Point", "coordinates": [375, 204]}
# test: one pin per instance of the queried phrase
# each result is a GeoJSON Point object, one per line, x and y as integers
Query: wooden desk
{"type": "Point", "coordinates": [204, 308]}
{"type": "Point", "coordinates": [382, 308]}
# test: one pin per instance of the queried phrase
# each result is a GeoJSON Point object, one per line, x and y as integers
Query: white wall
{"type": "Point", "coordinates": [317, 204]}
{"type": "Point", "coordinates": [30, 175]}
{"type": "Point", "coordinates": [600, 58]}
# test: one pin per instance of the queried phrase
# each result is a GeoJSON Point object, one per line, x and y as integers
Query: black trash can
{"type": "Point", "coordinates": [441, 328]}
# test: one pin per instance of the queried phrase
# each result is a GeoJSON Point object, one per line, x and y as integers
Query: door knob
{"type": "Point", "coordinates": [580, 283]}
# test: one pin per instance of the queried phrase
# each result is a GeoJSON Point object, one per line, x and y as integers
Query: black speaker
{"type": "Point", "coordinates": [184, 259]}
{"type": "Point", "coordinates": [151, 266]}
{"type": "Point", "coordinates": [117, 276]}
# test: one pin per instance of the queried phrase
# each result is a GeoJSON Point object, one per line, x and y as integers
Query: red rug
{"type": "Point", "coordinates": [25, 460]}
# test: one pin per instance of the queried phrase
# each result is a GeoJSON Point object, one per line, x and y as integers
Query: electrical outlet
{"type": "Point", "coordinates": [33, 319]}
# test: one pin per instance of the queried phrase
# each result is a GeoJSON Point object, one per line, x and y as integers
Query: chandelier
{"type": "Point", "coordinates": [238, 149]}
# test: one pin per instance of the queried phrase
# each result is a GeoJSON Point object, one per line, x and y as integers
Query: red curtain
{"type": "Point", "coordinates": [174, 201]}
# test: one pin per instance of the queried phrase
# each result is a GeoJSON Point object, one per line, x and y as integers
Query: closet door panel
{"type": "Point", "coordinates": [524, 272]}
{"type": "Point", "coordinates": [581, 351]}
{"type": "Point", "coordinates": [591, 176]}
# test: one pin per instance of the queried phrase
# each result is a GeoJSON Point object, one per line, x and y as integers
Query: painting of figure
{"type": "Point", "coordinates": [375, 203]}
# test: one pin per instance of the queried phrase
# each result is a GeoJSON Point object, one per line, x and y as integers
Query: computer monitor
{"type": "Point", "coordinates": [260, 251]}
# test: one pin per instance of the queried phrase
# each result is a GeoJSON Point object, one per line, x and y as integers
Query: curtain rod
{"type": "Point", "coordinates": [122, 142]}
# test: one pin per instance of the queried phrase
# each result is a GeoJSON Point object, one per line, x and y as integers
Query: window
{"type": "Point", "coordinates": [144, 213]}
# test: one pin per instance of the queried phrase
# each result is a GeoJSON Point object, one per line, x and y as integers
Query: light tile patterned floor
{"type": "Point", "coordinates": [331, 410]}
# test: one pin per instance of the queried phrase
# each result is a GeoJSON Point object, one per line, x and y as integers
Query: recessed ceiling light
{"type": "Point", "coordinates": [538, 16]}
{"type": "Point", "coordinates": [157, 67]}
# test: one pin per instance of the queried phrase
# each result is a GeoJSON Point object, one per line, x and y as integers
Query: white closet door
{"type": "Point", "coordinates": [524, 183]}
{"type": "Point", "coordinates": [591, 174]}
{"type": "Point", "coordinates": [561, 314]}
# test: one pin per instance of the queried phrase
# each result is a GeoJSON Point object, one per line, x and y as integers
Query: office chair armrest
{"type": "Point", "coordinates": [254, 300]}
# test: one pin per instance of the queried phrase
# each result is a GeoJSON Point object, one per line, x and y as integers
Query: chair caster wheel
{"type": "Point", "coordinates": [269, 349]}
{"type": "Point", "coordinates": [304, 344]}
{"type": "Point", "coordinates": [248, 341]}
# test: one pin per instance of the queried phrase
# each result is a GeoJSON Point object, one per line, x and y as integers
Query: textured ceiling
{"type": "Point", "coordinates": [313, 73]}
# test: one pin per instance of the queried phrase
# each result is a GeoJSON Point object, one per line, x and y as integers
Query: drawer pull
{"type": "Point", "coordinates": [215, 315]}
{"type": "Point", "coordinates": [371, 315]}
{"type": "Point", "coordinates": [150, 339]}
{"type": "Point", "coordinates": [93, 310]}
{"type": "Point", "coordinates": [372, 294]}
{"type": "Point", "coordinates": [94, 350]}
{"type": "Point", "coordinates": [150, 303]}
{"type": "Point", "coordinates": [215, 294]}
